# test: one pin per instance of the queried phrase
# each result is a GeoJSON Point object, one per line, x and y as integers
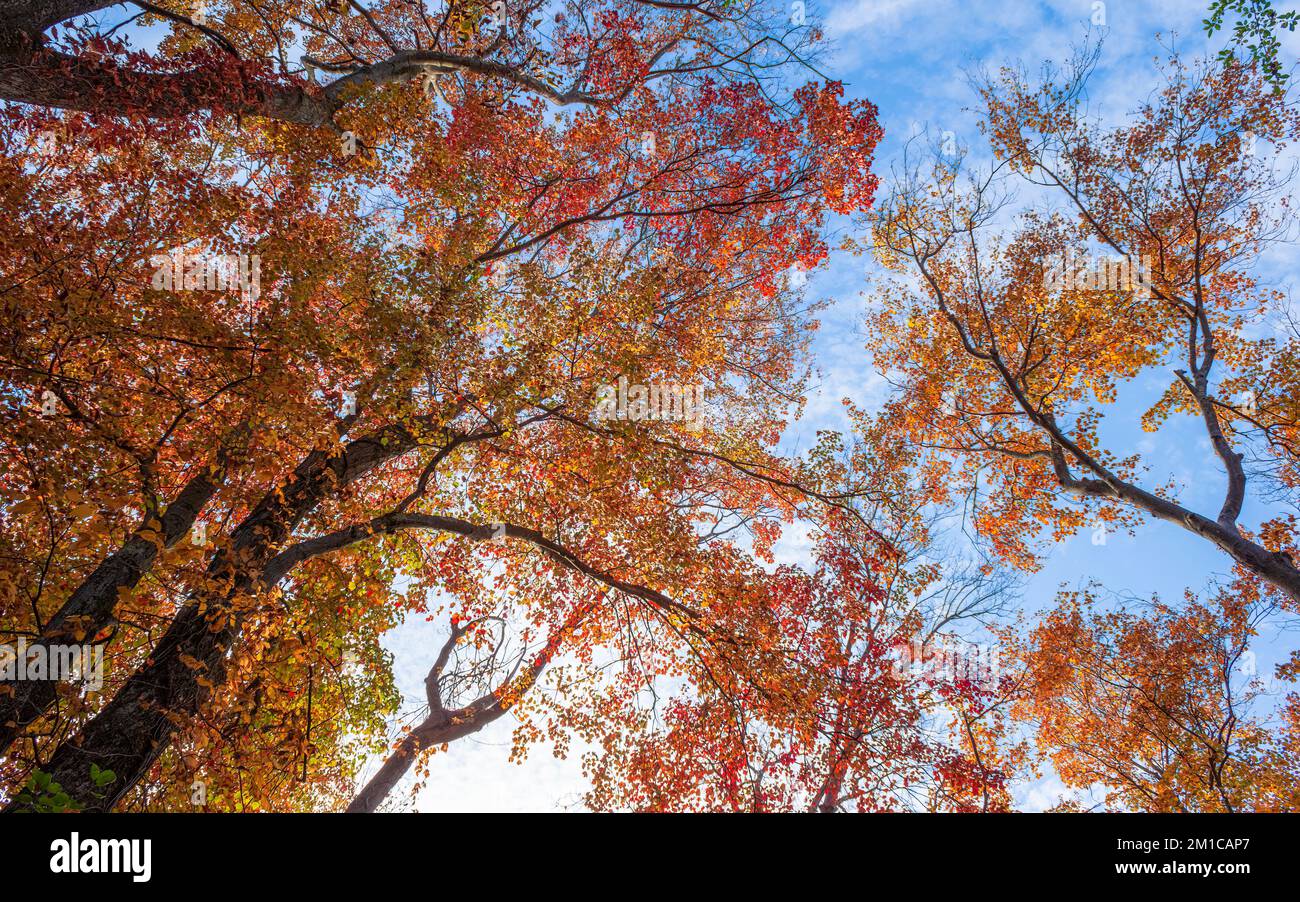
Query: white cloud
{"type": "Point", "coordinates": [847, 18]}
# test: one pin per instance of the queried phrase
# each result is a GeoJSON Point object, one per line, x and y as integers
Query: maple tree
{"type": "Point", "coordinates": [1158, 704]}
{"type": "Point", "coordinates": [898, 710]}
{"type": "Point", "coordinates": [1011, 337]}
{"type": "Point", "coordinates": [1010, 352]}
{"type": "Point", "coordinates": [802, 697]}
{"type": "Point", "coordinates": [466, 228]}
{"type": "Point", "coordinates": [319, 319]}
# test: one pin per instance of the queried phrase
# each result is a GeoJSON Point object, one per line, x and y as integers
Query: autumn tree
{"type": "Point", "coordinates": [903, 707]}
{"type": "Point", "coordinates": [597, 668]}
{"type": "Point", "coordinates": [468, 226]}
{"type": "Point", "coordinates": [1158, 704]}
{"type": "Point", "coordinates": [1017, 333]}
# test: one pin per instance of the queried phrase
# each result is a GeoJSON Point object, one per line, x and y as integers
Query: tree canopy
{"type": "Point", "coordinates": [324, 317]}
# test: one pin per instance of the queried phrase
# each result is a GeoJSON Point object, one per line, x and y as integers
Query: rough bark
{"type": "Point", "coordinates": [33, 73]}
{"type": "Point", "coordinates": [129, 733]}
{"type": "Point", "coordinates": [42, 77]}
{"type": "Point", "coordinates": [34, 16]}
{"type": "Point", "coordinates": [89, 609]}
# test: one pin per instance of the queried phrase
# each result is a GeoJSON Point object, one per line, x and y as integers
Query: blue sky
{"type": "Point", "coordinates": [909, 58]}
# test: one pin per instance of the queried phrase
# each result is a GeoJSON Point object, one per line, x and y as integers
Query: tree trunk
{"type": "Point", "coordinates": [389, 775]}
{"type": "Point", "coordinates": [435, 730]}
{"type": "Point", "coordinates": [90, 608]}
{"type": "Point", "coordinates": [129, 733]}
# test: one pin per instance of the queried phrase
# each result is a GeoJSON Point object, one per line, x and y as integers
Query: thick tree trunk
{"type": "Point", "coordinates": [34, 16]}
{"type": "Point", "coordinates": [129, 733]}
{"type": "Point", "coordinates": [90, 608]}
{"type": "Point", "coordinates": [45, 78]}
{"type": "Point", "coordinates": [30, 72]}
